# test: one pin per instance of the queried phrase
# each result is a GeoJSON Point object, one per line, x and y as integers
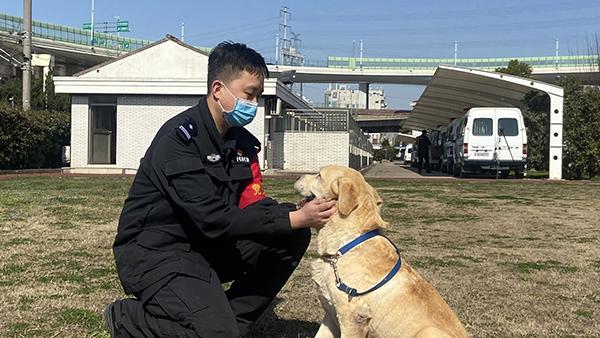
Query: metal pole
{"type": "Point", "coordinates": [277, 49]}
{"type": "Point", "coordinates": [361, 53]}
{"type": "Point", "coordinates": [92, 31]}
{"type": "Point", "coordinates": [117, 17]}
{"type": "Point", "coordinates": [26, 54]}
{"type": "Point", "coordinates": [455, 51]}
{"type": "Point", "coordinates": [182, 32]}
{"type": "Point", "coordinates": [556, 53]}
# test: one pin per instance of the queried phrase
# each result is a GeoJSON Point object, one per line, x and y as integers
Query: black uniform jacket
{"type": "Point", "coordinates": [184, 200]}
{"type": "Point", "coordinates": [423, 144]}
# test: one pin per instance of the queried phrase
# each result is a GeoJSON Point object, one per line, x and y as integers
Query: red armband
{"type": "Point", "coordinates": [253, 192]}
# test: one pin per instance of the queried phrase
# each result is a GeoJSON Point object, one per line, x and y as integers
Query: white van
{"type": "Point", "coordinates": [408, 153]}
{"type": "Point", "coordinates": [490, 139]}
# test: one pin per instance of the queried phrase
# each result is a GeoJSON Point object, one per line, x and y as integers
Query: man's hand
{"type": "Point", "coordinates": [313, 214]}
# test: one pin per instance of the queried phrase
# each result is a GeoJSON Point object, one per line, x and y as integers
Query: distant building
{"type": "Point", "coordinates": [343, 97]}
{"type": "Point", "coordinates": [118, 106]}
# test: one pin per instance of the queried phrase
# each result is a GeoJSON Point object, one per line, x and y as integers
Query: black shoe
{"type": "Point", "coordinates": [109, 321]}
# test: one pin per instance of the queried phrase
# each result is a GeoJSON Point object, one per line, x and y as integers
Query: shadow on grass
{"type": "Point", "coordinates": [270, 325]}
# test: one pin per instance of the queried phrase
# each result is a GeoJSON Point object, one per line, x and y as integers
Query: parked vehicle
{"type": "Point", "coordinates": [448, 142]}
{"type": "Point", "coordinates": [490, 140]}
{"type": "Point", "coordinates": [414, 156]}
{"type": "Point", "coordinates": [408, 153]}
{"type": "Point", "coordinates": [437, 148]}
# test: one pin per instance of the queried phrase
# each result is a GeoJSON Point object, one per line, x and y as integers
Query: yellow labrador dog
{"type": "Point", "coordinates": [365, 288]}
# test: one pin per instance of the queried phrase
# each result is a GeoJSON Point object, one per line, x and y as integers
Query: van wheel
{"type": "Point", "coordinates": [504, 174]}
{"type": "Point", "coordinates": [519, 175]}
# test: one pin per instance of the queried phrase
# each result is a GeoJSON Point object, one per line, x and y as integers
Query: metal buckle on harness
{"type": "Point", "coordinates": [340, 285]}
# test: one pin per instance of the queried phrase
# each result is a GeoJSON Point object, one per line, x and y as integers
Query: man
{"type": "Point", "coordinates": [423, 144]}
{"type": "Point", "coordinates": [196, 216]}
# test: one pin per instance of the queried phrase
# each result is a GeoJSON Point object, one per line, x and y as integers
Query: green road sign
{"type": "Point", "coordinates": [87, 26]}
{"type": "Point", "coordinates": [122, 26]}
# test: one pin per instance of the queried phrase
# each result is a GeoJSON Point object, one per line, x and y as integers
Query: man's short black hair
{"type": "Point", "coordinates": [228, 59]}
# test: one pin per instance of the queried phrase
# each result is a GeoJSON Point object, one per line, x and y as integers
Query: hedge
{"type": "Point", "coordinates": [32, 139]}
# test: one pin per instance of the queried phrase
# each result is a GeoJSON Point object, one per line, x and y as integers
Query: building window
{"type": "Point", "coordinates": [103, 129]}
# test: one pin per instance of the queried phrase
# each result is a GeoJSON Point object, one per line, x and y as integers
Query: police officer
{"type": "Point", "coordinates": [196, 216]}
{"type": "Point", "coordinates": [423, 144]}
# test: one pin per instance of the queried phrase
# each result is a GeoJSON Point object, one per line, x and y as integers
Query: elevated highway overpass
{"type": "Point", "coordinates": [73, 50]}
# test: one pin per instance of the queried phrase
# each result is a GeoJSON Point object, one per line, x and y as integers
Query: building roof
{"type": "Point", "coordinates": [168, 37]}
{"type": "Point", "coordinates": [453, 89]}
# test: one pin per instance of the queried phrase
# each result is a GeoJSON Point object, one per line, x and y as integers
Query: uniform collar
{"type": "Point", "coordinates": [224, 144]}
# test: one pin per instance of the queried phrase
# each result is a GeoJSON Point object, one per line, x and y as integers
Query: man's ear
{"type": "Point", "coordinates": [215, 89]}
{"type": "Point", "coordinates": [347, 193]}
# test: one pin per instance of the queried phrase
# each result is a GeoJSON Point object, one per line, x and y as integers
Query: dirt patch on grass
{"type": "Point", "coordinates": [511, 259]}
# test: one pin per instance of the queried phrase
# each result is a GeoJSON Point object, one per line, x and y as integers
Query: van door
{"type": "Point", "coordinates": [481, 140]}
{"type": "Point", "coordinates": [509, 138]}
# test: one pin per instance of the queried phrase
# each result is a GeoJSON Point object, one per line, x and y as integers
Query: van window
{"type": "Point", "coordinates": [509, 126]}
{"type": "Point", "coordinates": [482, 127]}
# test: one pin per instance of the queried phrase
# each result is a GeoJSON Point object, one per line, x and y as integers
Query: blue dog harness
{"type": "Point", "coordinates": [352, 292]}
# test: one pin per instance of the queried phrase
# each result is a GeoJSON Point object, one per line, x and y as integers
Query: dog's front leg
{"type": "Point", "coordinates": [354, 325]}
{"type": "Point", "coordinates": [328, 328]}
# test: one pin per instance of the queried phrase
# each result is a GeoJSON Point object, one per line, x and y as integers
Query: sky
{"type": "Point", "coordinates": [401, 28]}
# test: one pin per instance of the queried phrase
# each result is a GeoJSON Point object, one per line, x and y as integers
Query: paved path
{"type": "Point", "coordinates": [398, 170]}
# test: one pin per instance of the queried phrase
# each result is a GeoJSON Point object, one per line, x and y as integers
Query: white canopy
{"type": "Point", "coordinates": [452, 90]}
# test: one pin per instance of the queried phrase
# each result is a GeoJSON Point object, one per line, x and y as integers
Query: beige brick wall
{"type": "Point", "coordinates": [79, 130]}
{"type": "Point", "coordinates": [138, 119]}
{"type": "Point", "coordinates": [309, 151]}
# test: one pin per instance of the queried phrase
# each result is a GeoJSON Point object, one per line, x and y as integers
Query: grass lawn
{"type": "Point", "coordinates": [512, 258]}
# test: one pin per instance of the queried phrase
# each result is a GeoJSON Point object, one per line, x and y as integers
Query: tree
{"type": "Point", "coordinates": [517, 68]}
{"type": "Point", "coordinates": [537, 123]}
{"type": "Point", "coordinates": [537, 118]}
{"type": "Point", "coordinates": [581, 130]}
{"type": "Point", "coordinates": [43, 96]}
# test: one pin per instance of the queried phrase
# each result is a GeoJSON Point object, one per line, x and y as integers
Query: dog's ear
{"type": "Point", "coordinates": [347, 193]}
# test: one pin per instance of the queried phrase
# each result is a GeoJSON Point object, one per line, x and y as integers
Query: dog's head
{"type": "Point", "coordinates": [355, 196]}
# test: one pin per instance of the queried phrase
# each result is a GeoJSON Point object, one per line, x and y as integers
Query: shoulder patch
{"type": "Point", "coordinates": [187, 130]}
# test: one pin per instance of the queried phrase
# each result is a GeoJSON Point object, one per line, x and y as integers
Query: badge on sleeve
{"type": "Point", "coordinates": [187, 130]}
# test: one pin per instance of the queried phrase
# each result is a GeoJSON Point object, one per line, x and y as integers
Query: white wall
{"type": "Point", "coordinates": [138, 119]}
{"type": "Point", "coordinates": [167, 60]}
{"type": "Point", "coordinates": [306, 151]}
{"type": "Point", "coordinates": [79, 130]}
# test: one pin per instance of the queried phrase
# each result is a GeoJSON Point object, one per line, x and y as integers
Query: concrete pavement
{"type": "Point", "coordinates": [399, 170]}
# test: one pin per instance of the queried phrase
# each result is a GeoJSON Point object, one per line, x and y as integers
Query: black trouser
{"type": "Point", "coordinates": [191, 307]}
{"type": "Point", "coordinates": [426, 158]}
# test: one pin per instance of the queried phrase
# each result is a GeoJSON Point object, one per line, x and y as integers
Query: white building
{"type": "Point", "coordinates": [343, 97]}
{"type": "Point", "coordinates": [118, 106]}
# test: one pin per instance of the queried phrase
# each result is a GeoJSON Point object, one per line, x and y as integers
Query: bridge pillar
{"type": "Point", "coordinates": [364, 87]}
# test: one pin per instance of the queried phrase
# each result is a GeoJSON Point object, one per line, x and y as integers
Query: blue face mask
{"type": "Point", "coordinates": [243, 112]}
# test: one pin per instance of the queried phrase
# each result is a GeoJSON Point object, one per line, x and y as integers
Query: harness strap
{"type": "Point", "coordinates": [355, 242]}
{"type": "Point", "coordinates": [350, 291]}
